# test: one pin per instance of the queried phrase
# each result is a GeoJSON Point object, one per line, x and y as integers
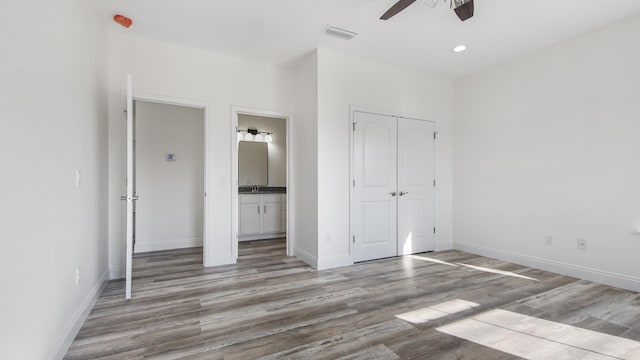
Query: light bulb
{"type": "Point", "coordinates": [258, 137]}
{"type": "Point", "coordinates": [268, 138]}
{"type": "Point", "coordinates": [248, 137]}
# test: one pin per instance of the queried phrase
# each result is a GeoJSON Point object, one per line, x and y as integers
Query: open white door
{"type": "Point", "coordinates": [130, 197]}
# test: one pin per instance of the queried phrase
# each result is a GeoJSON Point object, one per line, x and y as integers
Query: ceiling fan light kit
{"type": "Point", "coordinates": [462, 8]}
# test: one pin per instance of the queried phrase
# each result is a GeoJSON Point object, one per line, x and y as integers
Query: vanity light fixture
{"type": "Point", "coordinates": [254, 135]}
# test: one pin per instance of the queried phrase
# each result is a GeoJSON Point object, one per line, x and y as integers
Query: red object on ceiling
{"type": "Point", "coordinates": [123, 20]}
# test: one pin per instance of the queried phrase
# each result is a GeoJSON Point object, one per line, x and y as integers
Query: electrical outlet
{"type": "Point", "coordinates": [77, 276]}
{"type": "Point", "coordinates": [582, 244]}
{"type": "Point", "coordinates": [548, 240]}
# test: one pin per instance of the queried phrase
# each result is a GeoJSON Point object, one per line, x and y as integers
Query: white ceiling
{"type": "Point", "coordinates": [282, 31]}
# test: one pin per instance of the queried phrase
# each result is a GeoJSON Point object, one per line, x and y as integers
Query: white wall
{"type": "Point", "coordinates": [53, 111]}
{"type": "Point", "coordinates": [213, 80]}
{"type": "Point", "coordinates": [345, 81]}
{"type": "Point", "coordinates": [169, 214]}
{"type": "Point", "coordinates": [549, 145]}
{"type": "Point", "coordinates": [304, 220]}
{"type": "Point", "coordinates": [277, 148]}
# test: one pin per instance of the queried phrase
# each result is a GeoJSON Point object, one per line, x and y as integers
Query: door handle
{"type": "Point", "coordinates": [258, 208]}
{"type": "Point", "coordinates": [124, 197]}
{"type": "Point", "coordinates": [403, 193]}
{"type": "Point", "coordinates": [393, 193]}
{"type": "Point", "coordinates": [265, 209]}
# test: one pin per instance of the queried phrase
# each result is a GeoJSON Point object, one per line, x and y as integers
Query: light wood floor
{"type": "Point", "coordinates": [272, 306]}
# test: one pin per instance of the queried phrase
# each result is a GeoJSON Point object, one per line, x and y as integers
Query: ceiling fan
{"type": "Point", "coordinates": [463, 8]}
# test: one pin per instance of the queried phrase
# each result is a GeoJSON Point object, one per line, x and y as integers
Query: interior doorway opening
{"type": "Point", "coordinates": [260, 166]}
{"type": "Point", "coordinates": [169, 168]}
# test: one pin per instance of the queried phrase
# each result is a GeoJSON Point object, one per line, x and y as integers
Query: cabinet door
{"type": "Point", "coordinates": [271, 213]}
{"type": "Point", "coordinates": [250, 214]}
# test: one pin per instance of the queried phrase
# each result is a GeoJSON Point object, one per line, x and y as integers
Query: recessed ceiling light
{"type": "Point", "coordinates": [459, 48]}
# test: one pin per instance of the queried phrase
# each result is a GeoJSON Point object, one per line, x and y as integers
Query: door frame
{"type": "Point", "coordinates": [364, 109]}
{"type": "Point", "coordinates": [243, 110]}
{"type": "Point", "coordinates": [168, 100]}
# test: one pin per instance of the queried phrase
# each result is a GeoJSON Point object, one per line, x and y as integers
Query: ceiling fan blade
{"type": "Point", "coordinates": [465, 11]}
{"type": "Point", "coordinates": [396, 8]}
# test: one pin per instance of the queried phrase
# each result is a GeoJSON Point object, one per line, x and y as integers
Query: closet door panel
{"type": "Point", "coordinates": [375, 169]}
{"type": "Point", "coordinates": [416, 176]}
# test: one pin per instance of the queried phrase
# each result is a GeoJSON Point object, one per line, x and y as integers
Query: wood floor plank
{"type": "Point", "coordinates": [378, 352]}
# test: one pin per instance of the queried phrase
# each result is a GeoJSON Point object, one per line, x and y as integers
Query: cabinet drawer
{"type": "Point", "coordinates": [250, 199]}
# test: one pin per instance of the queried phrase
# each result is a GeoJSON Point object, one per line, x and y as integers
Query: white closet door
{"type": "Point", "coordinates": [375, 168]}
{"type": "Point", "coordinates": [130, 196]}
{"type": "Point", "coordinates": [416, 176]}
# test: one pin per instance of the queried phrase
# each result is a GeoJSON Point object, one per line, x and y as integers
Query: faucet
{"type": "Point", "coordinates": [254, 188]}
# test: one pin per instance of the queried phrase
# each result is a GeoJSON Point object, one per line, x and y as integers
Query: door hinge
{"type": "Point", "coordinates": [354, 126]}
{"type": "Point", "coordinates": [435, 135]}
{"type": "Point", "coordinates": [354, 239]}
{"type": "Point", "coordinates": [354, 183]}
{"type": "Point", "coordinates": [434, 230]}
{"type": "Point", "coordinates": [434, 183]}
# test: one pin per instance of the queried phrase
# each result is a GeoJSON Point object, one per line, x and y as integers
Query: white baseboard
{"type": "Point", "coordinates": [167, 244]}
{"type": "Point", "coordinates": [581, 272]}
{"type": "Point", "coordinates": [303, 255]}
{"type": "Point", "coordinates": [325, 263]}
{"type": "Point", "coordinates": [75, 323]}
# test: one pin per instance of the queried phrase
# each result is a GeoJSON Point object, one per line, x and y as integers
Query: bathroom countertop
{"type": "Point", "coordinates": [263, 190]}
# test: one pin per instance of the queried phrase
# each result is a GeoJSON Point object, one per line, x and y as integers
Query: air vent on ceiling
{"type": "Point", "coordinates": [339, 33]}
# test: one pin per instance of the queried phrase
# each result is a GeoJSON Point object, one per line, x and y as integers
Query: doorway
{"type": "Point", "coordinates": [260, 167]}
{"type": "Point", "coordinates": [393, 186]}
{"type": "Point", "coordinates": [169, 173]}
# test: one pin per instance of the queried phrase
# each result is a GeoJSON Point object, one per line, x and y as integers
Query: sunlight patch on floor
{"type": "Point", "coordinates": [474, 267]}
{"type": "Point", "coordinates": [494, 271]}
{"type": "Point", "coordinates": [437, 311]}
{"type": "Point", "coordinates": [533, 338]}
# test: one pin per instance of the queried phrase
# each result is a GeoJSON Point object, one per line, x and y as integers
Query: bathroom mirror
{"type": "Point", "coordinates": [253, 163]}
